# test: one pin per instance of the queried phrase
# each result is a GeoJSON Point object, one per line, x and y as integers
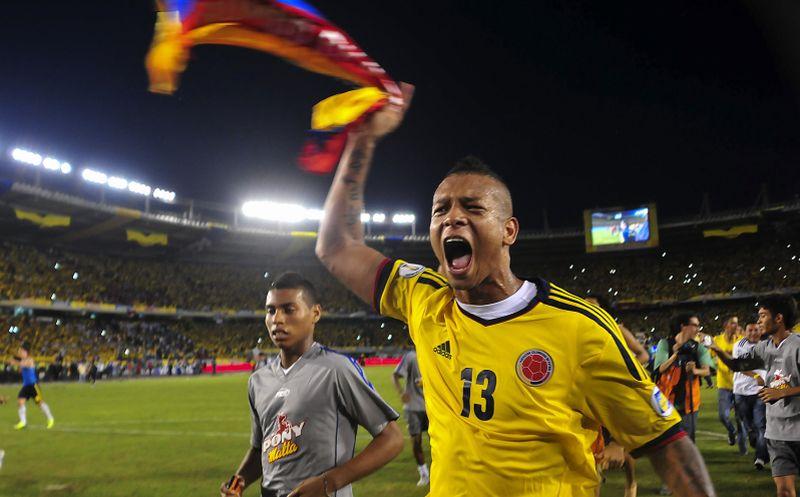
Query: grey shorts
{"type": "Point", "coordinates": [784, 457]}
{"type": "Point", "coordinates": [417, 422]}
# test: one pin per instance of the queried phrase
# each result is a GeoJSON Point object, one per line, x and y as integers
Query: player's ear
{"type": "Point", "coordinates": [510, 231]}
{"type": "Point", "coordinates": [316, 311]}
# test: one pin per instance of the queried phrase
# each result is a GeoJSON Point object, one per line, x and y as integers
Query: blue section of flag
{"type": "Point", "coordinates": [183, 7]}
{"type": "Point", "coordinates": [304, 6]}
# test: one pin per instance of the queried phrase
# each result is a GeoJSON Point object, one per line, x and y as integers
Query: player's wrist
{"type": "Point", "coordinates": [364, 139]}
{"type": "Point", "coordinates": [332, 481]}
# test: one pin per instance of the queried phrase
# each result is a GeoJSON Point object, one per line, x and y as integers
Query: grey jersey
{"type": "Point", "coordinates": [783, 371]}
{"type": "Point", "coordinates": [408, 368]}
{"type": "Point", "coordinates": [305, 420]}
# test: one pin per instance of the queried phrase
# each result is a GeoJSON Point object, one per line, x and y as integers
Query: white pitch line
{"type": "Point", "coordinates": [155, 433]}
{"type": "Point", "coordinates": [154, 421]}
{"type": "Point", "coordinates": [712, 434]}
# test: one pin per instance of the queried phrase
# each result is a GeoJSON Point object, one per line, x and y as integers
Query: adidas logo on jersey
{"type": "Point", "coordinates": [443, 349]}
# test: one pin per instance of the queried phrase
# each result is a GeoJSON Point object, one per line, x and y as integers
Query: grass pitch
{"type": "Point", "coordinates": [183, 436]}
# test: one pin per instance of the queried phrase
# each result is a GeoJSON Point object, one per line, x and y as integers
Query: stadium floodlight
{"type": "Point", "coordinates": [51, 164]}
{"type": "Point", "coordinates": [403, 218]}
{"type": "Point", "coordinates": [117, 183]}
{"type": "Point", "coordinates": [165, 195]}
{"type": "Point", "coordinates": [93, 176]}
{"type": "Point", "coordinates": [365, 217]}
{"type": "Point", "coordinates": [378, 217]}
{"type": "Point", "coordinates": [139, 188]}
{"type": "Point", "coordinates": [280, 212]}
{"type": "Point", "coordinates": [66, 168]}
{"type": "Point", "coordinates": [314, 214]}
{"type": "Point", "coordinates": [26, 157]}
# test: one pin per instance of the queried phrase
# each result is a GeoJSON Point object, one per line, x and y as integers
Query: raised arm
{"type": "Point", "coordinates": [340, 244]}
{"type": "Point", "coordinates": [637, 348]}
{"type": "Point", "coordinates": [739, 364]}
{"type": "Point", "coordinates": [681, 467]}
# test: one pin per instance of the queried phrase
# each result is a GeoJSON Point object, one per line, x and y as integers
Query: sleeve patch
{"type": "Point", "coordinates": [660, 403]}
{"type": "Point", "coordinates": [407, 270]}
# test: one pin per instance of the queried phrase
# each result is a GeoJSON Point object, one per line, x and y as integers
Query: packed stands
{"type": "Point", "coordinates": [84, 294]}
{"type": "Point", "coordinates": [28, 271]}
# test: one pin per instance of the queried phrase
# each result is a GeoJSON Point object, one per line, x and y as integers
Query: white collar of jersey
{"type": "Point", "coordinates": [509, 305]}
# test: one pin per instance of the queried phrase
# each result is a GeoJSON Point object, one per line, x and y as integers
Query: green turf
{"type": "Point", "coordinates": [182, 436]}
{"type": "Point", "coordinates": [604, 236]}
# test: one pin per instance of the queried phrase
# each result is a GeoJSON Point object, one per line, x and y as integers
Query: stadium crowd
{"type": "Point", "coordinates": [67, 346]}
{"type": "Point", "coordinates": [130, 344]}
{"type": "Point", "coordinates": [28, 271]}
{"type": "Point", "coordinates": [49, 273]}
{"type": "Point", "coordinates": [732, 268]}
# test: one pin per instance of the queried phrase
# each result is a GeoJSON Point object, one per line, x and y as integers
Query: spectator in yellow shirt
{"type": "Point", "coordinates": [725, 341]}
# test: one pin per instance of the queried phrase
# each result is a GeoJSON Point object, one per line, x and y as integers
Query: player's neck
{"type": "Point", "coordinates": [780, 336]}
{"type": "Point", "coordinates": [493, 289]}
{"type": "Point", "coordinates": [729, 335]}
{"type": "Point", "coordinates": [289, 356]}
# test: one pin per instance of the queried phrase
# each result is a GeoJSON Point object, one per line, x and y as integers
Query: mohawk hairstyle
{"type": "Point", "coordinates": [295, 281]}
{"type": "Point", "coordinates": [473, 165]}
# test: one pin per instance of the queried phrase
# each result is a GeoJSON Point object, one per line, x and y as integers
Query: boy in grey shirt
{"type": "Point", "coordinates": [306, 405]}
{"type": "Point", "coordinates": [780, 356]}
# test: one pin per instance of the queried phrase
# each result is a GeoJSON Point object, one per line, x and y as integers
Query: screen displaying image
{"type": "Point", "coordinates": [615, 228]}
{"type": "Point", "coordinates": [620, 229]}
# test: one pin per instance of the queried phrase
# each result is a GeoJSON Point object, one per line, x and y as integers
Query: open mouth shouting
{"type": "Point", "coordinates": [458, 254]}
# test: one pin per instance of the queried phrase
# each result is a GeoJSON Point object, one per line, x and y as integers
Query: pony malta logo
{"type": "Point", "coordinates": [534, 367]}
{"type": "Point", "coordinates": [780, 380]}
{"type": "Point", "coordinates": [283, 443]}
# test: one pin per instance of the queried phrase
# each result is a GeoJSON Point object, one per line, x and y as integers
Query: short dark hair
{"type": "Point", "coordinates": [784, 305]}
{"type": "Point", "coordinates": [26, 346]}
{"type": "Point", "coordinates": [473, 165]}
{"type": "Point", "coordinates": [291, 280]}
{"type": "Point", "coordinates": [680, 320]}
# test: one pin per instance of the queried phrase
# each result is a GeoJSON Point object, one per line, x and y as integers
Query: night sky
{"type": "Point", "coordinates": [577, 103]}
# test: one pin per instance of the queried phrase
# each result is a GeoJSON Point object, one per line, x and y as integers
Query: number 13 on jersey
{"type": "Point", "coordinates": [486, 380]}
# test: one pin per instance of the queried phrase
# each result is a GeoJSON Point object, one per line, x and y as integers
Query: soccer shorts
{"type": "Point", "coordinates": [784, 457]}
{"type": "Point", "coordinates": [28, 392]}
{"type": "Point", "coordinates": [417, 422]}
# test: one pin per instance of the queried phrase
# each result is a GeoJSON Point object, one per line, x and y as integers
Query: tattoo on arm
{"type": "Point", "coordinates": [681, 467]}
{"type": "Point", "coordinates": [354, 179]}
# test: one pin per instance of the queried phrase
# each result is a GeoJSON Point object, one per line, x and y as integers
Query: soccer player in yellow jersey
{"type": "Point", "coordinates": [518, 374]}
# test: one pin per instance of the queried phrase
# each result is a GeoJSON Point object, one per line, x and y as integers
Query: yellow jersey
{"type": "Point", "coordinates": [724, 374]}
{"type": "Point", "coordinates": [515, 403]}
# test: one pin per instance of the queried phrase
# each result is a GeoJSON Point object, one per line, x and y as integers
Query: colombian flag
{"type": "Point", "coordinates": [292, 30]}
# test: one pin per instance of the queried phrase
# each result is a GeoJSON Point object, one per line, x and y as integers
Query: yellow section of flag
{"type": "Point", "coordinates": [146, 239]}
{"type": "Point", "coordinates": [43, 220]}
{"type": "Point", "coordinates": [731, 232]}
{"type": "Point", "coordinates": [344, 108]}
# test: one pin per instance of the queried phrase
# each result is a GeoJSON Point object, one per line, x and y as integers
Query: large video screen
{"type": "Point", "coordinates": [621, 228]}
